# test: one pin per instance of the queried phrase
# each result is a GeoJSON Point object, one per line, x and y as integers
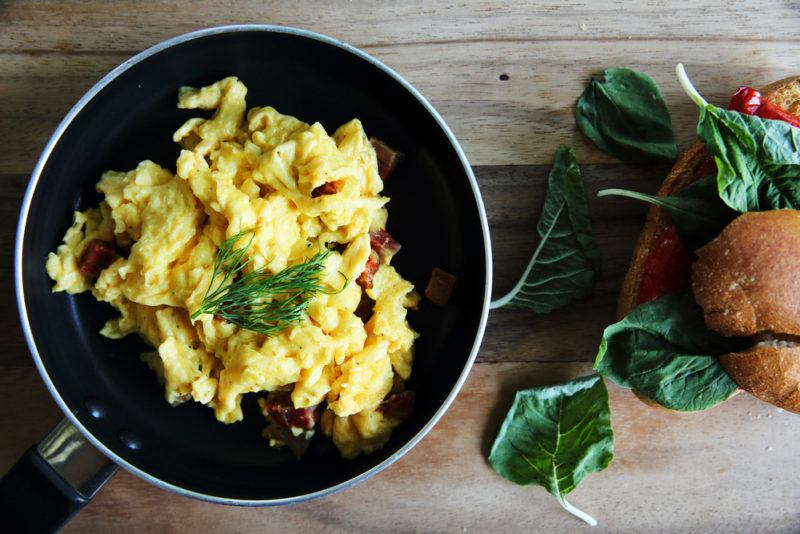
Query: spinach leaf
{"type": "Point", "coordinates": [664, 350]}
{"type": "Point", "coordinates": [564, 265]}
{"type": "Point", "coordinates": [696, 210]}
{"type": "Point", "coordinates": [555, 436]}
{"type": "Point", "coordinates": [626, 117]}
{"type": "Point", "coordinates": [758, 160]}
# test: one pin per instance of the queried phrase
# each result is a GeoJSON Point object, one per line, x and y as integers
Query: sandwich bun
{"type": "Point", "coordinates": [747, 280]}
{"type": "Point", "coordinates": [769, 370]}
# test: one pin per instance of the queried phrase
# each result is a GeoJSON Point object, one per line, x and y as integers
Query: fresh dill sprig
{"type": "Point", "coordinates": [260, 301]}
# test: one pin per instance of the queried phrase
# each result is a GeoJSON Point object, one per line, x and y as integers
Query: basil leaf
{"type": "Point", "coordinates": [564, 265]}
{"type": "Point", "coordinates": [758, 160]}
{"type": "Point", "coordinates": [626, 117]}
{"type": "Point", "coordinates": [664, 350]}
{"type": "Point", "coordinates": [555, 436]}
{"type": "Point", "coordinates": [696, 210]}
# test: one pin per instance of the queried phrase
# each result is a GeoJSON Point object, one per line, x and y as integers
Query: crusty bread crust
{"type": "Point", "coordinates": [771, 373]}
{"type": "Point", "coordinates": [746, 280]}
{"type": "Point", "coordinates": [784, 93]}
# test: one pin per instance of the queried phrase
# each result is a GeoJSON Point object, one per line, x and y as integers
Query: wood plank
{"type": "Point", "coordinates": [513, 197]}
{"type": "Point", "coordinates": [15, 351]}
{"type": "Point", "coordinates": [78, 26]}
{"type": "Point", "coordinates": [730, 469]}
{"type": "Point", "coordinates": [29, 415]}
{"type": "Point", "coordinates": [518, 121]}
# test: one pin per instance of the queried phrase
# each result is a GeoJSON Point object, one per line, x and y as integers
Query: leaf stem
{"type": "Point", "coordinates": [687, 86]}
{"type": "Point", "coordinates": [614, 192]}
{"type": "Point", "coordinates": [502, 301]}
{"type": "Point", "coordinates": [580, 514]}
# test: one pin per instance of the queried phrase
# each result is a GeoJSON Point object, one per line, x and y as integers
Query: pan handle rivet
{"type": "Point", "coordinates": [96, 408]}
{"type": "Point", "coordinates": [131, 440]}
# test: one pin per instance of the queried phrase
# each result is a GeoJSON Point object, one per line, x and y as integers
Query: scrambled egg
{"type": "Point", "coordinates": [254, 170]}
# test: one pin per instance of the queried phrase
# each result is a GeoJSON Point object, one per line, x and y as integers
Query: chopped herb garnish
{"type": "Point", "coordinates": [260, 301]}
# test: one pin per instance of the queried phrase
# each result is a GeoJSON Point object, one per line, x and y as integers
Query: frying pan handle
{"type": "Point", "coordinates": [52, 481]}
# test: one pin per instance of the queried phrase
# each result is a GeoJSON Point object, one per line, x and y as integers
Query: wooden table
{"type": "Point", "coordinates": [733, 468]}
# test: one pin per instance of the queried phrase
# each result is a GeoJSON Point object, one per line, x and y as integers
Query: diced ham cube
{"type": "Point", "coordinates": [440, 286]}
{"type": "Point", "coordinates": [399, 405]}
{"type": "Point", "coordinates": [99, 254]}
{"type": "Point", "coordinates": [387, 156]}
{"type": "Point", "coordinates": [383, 243]}
{"type": "Point", "coordinates": [279, 409]}
{"type": "Point", "coordinates": [366, 276]}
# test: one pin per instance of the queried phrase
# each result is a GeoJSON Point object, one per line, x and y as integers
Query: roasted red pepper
{"type": "Point", "coordinates": [768, 110]}
{"type": "Point", "coordinates": [745, 100]}
{"type": "Point", "coordinates": [667, 268]}
{"type": "Point", "coordinates": [748, 100]}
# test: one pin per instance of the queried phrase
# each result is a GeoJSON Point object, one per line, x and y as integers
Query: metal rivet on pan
{"type": "Point", "coordinates": [131, 440]}
{"type": "Point", "coordinates": [96, 408]}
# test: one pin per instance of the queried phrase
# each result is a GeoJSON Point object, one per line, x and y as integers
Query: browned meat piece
{"type": "Point", "coordinates": [365, 278]}
{"type": "Point", "coordinates": [97, 256]}
{"type": "Point", "coordinates": [383, 243]}
{"type": "Point", "coordinates": [328, 188]}
{"type": "Point", "coordinates": [338, 247]}
{"type": "Point", "coordinates": [398, 384]}
{"type": "Point", "coordinates": [279, 409]}
{"type": "Point", "coordinates": [297, 444]}
{"type": "Point", "coordinates": [399, 405]}
{"type": "Point", "coordinates": [440, 286]}
{"type": "Point", "coordinates": [387, 157]}
{"type": "Point", "coordinates": [365, 307]}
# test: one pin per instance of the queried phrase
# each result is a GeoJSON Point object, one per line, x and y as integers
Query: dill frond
{"type": "Point", "coordinates": [260, 301]}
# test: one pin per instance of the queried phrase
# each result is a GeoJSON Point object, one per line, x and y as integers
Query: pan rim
{"type": "Point", "coordinates": [31, 189]}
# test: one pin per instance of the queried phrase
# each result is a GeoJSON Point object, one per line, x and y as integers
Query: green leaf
{"type": "Point", "coordinates": [664, 350]}
{"type": "Point", "coordinates": [696, 210]}
{"type": "Point", "coordinates": [758, 160]}
{"type": "Point", "coordinates": [555, 436]}
{"type": "Point", "coordinates": [564, 265]}
{"type": "Point", "coordinates": [626, 117]}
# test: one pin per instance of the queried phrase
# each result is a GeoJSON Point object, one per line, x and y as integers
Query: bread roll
{"type": "Point", "coordinates": [770, 372]}
{"type": "Point", "coordinates": [747, 280]}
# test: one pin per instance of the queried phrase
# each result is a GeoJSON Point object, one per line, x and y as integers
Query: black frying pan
{"type": "Point", "coordinates": [110, 396]}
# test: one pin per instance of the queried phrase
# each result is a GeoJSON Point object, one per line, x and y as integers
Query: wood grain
{"type": "Point", "coordinates": [665, 476]}
{"type": "Point", "coordinates": [732, 468]}
{"type": "Point", "coordinates": [518, 121]}
{"type": "Point", "coordinates": [87, 26]}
